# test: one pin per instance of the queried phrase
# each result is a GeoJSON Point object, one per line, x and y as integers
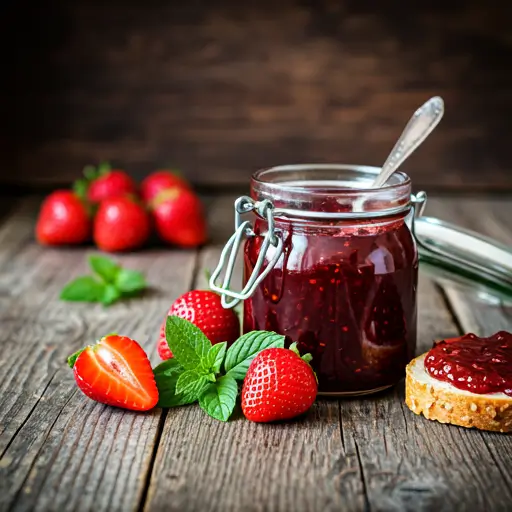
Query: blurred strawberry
{"type": "Point", "coordinates": [63, 219]}
{"type": "Point", "coordinates": [179, 217]}
{"type": "Point", "coordinates": [102, 182]}
{"type": "Point", "coordinates": [157, 181]}
{"type": "Point", "coordinates": [121, 224]}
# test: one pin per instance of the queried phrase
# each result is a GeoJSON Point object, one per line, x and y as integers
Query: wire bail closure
{"type": "Point", "coordinates": [265, 209]}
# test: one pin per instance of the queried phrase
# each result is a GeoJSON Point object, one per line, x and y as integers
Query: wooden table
{"type": "Point", "coordinates": [61, 451]}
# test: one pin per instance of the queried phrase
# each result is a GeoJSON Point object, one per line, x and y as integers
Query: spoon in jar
{"type": "Point", "coordinates": [419, 127]}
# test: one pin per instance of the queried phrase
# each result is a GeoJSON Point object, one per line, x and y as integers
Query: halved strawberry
{"type": "Point", "coordinates": [116, 371]}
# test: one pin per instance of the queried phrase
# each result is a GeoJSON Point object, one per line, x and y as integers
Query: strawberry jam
{"type": "Point", "coordinates": [344, 287]}
{"type": "Point", "coordinates": [479, 365]}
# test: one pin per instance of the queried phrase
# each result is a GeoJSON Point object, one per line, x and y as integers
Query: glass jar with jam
{"type": "Point", "coordinates": [332, 264]}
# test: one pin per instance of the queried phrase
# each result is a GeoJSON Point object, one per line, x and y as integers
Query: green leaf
{"type": "Point", "coordinates": [90, 173]}
{"type": "Point", "coordinates": [129, 281]}
{"type": "Point", "coordinates": [219, 399]}
{"type": "Point", "coordinates": [186, 341]}
{"type": "Point", "coordinates": [85, 289]}
{"type": "Point", "coordinates": [166, 377]}
{"type": "Point", "coordinates": [102, 169]}
{"type": "Point", "coordinates": [80, 188]}
{"type": "Point", "coordinates": [245, 348]}
{"type": "Point", "coordinates": [213, 360]}
{"type": "Point", "coordinates": [106, 268]}
{"type": "Point", "coordinates": [73, 357]}
{"type": "Point", "coordinates": [110, 295]}
{"type": "Point", "coordinates": [191, 382]}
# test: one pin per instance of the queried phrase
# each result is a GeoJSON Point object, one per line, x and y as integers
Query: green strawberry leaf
{"type": "Point", "coordinates": [90, 172]}
{"type": "Point", "coordinates": [130, 281]}
{"type": "Point", "coordinates": [84, 289]}
{"type": "Point", "coordinates": [186, 341]}
{"type": "Point", "coordinates": [73, 357]}
{"type": "Point", "coordinates": [166, 377]}
{"type": "Point", "coordinates": [219, 399]}
{"type": "Point", "coordinates": [102, 169]}
{"type": "Point", "coordinates": [240, 355]}
{"type": "Point", "coordinates": [110, 295]}
{"type": "Point", "coordinates": [106, 268]}
{"type": "Point", "coordinates": [191, 382]}
{"type": "Point", "coordinates": [214, 359]}
{"type": "Point", "coordinates": [80, 188]}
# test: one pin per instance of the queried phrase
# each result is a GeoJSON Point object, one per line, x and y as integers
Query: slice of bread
{"type": "Point", "coordinates": [439, 400]}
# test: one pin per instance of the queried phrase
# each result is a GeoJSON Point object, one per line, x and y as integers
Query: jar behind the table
{"type": "Point", "coordinates": [333, 264]}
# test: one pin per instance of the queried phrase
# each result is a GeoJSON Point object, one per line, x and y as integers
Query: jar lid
{"type": "Point", "coordinates": [449, 252]}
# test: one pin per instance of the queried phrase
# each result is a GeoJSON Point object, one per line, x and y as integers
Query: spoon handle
{"type": "Point", "coordinates": [421, 124]}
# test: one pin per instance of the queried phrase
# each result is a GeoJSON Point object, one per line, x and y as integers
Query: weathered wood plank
{"type": "Point", "coordinates": [58, 449]}
{"type": "Point", "coordinates": [133, 85]}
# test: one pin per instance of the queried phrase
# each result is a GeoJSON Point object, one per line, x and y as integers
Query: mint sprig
{"type": "Point", "coordinates": [200, 372]}
{"type": "Point", "coordinates": [110, 283]}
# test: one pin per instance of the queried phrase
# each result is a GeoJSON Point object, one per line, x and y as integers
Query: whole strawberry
{"type": "Point", "coordinates": [121, 224]}
{"type": "Point", "coordinates": [179, 217]}
{"type": "Point", "coordinates": [279, 385]}
{"type": "Point", "coordinates": [116, 371]}
{"type": "Point", "coordinates": [102, 183]}
{"type": "Point", "coordinates": [157, 181]}
{"type": "Point", "coordinates": [204, 309]}
{"type": "Point", "coordinates": [63, 219]}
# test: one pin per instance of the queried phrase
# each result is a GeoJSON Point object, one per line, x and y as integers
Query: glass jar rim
{"type": "Point", "coordinates": [398, 179]}
{"type": "Point", "coordinates": [298, 190]}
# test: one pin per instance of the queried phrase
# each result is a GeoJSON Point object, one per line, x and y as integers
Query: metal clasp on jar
{"type": "Point", "coordinates": [265, 209]}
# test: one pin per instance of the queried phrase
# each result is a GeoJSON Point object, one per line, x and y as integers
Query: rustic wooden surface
{"type": "Point", "coordinates": [220, 88]}
{"type": "Point", "coordinates": [61, 451]}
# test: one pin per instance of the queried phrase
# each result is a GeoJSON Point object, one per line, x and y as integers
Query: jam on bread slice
{"type": "Point", "coordinates": [465, 381]}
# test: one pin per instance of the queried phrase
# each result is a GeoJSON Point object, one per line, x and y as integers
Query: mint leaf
{"type": "Point", "coordinates": [166, 377]}
{"type": "Point", "coordinates": [213, 360]}
{"type": "Point", "coordinates": [186, 341]}
{"type": "Point", "coordinates": [85, 288]}
{"type": "Point", "coordinates": [110, 294]}
{"type": "Point", "coordinates": [104, 267]}
{"type": "Point", "coordinates": [219, 399]}
{"type": "Point", "coordinates": [245, 348]}
{"type": "Point", "coordinates": [73, 357]}
{"type": "Point", "coordinates": [191, 382]}
{"type": "Point", "coordinates": [129, 281]}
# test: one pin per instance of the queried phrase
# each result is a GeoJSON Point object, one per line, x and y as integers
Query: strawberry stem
{"type": "Point", "coordinates": [73, 357]}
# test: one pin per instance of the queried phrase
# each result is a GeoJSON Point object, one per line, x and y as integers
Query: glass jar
{"type": "Point", "coordinates": [332, 264]}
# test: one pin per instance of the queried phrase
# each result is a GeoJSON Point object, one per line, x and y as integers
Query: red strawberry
{"type": "Point", "coordinates": [204, 309]}
{"type": "Point", "coordinates": [279, 385]}
{"type": "Point", "coordinates": [179, 217]}
{"type": "Point", "coordinates": [63, 220]}
{"type": "Point", "coordinates": [163, 348]}
{"type": "Point", "coordinates": [104, 183]}
{"type": "Point", "coordinates": [121, 223]}
{"type": "Point", "coordinates": [116, 371]}
{"type": "Point", "coordinates": [157, 181]}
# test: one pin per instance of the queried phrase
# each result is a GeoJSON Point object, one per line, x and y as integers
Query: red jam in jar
{"type": "Point", "coordinates": [479, 365]}
{"type": "Point", "coordinates": [345, 286]}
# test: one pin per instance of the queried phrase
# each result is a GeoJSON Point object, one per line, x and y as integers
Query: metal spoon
{"type": "Point", "coordinates": [419, 127]}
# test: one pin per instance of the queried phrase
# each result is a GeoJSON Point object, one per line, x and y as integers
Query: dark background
{"type": "Point", "coordinates": [220, 88]}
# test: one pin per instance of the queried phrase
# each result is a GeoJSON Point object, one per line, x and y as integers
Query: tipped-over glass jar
{"type": "Point", "coordinates": [332, 264]}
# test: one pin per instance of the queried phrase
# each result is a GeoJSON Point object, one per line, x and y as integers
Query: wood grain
{"type": "Point", "coordinates": [222, 88]}
{"type": "Point", "coordinates": [58, 449]}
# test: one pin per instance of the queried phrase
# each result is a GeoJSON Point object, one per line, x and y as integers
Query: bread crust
{"type": "Point", "coordinates": [449, 405]}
